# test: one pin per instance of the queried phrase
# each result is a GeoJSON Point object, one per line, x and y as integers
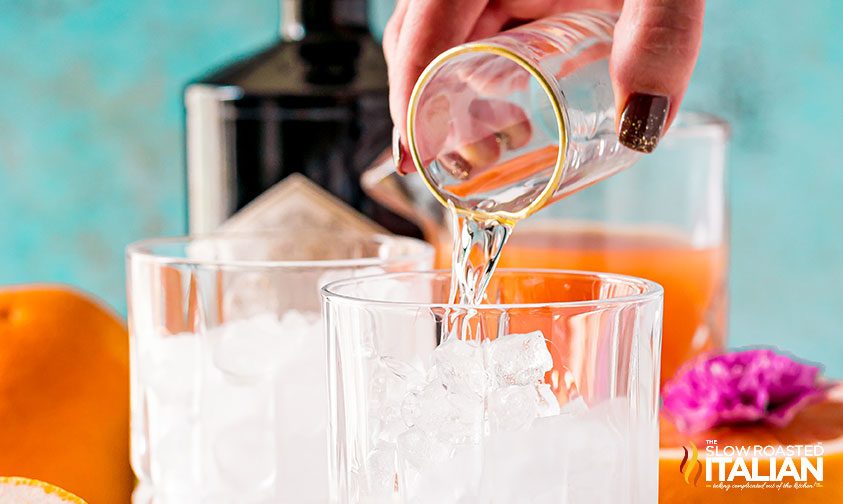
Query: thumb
{"type": "Point", "coordinates": [655, 49]}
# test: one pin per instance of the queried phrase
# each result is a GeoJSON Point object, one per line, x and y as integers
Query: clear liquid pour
{"type": "Point", "coordinates": [477, 249]}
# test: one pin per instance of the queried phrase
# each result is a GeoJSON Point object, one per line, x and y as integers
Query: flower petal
{"type": "Point", "coordinates": [740, 387]}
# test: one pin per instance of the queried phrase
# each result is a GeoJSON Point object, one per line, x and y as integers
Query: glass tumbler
{"type": "Point", "coordinates": [228, 363]}
{"type": "Point", "coordinates": [503, 126]}
{"type": "Point", "coordinates": [665, 219]}
{"type": "Point", "coordinates": [548, 396]}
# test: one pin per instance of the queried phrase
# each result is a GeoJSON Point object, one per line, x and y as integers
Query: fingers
{"type": "Point", "coordinates": [493, 75]}
{"type": "Point", "coordinates": [487, 130]}
{"type": "Point", "coordinates": [428, 28]}
{"type": "Point", "coordinates": [531, 9]}
{"type": "Point", "coordinates": [655, 49]}
{"type": "Point", "coordinates": [507, 120]}
{"type": "Point", "coordinates": [490, 22]}
{"type": "Point", "coordinates": [392, 29]}
{"type": "Point", "coordinates": [471, 158]}
{"type": "Point", "coordinates": [536, 9]}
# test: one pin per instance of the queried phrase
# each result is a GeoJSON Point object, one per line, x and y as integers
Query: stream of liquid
{"type": "Point", "coordinates": [477, 251]}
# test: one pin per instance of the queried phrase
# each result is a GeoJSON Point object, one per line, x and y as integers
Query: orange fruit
{"type": "Point", "coordinates": [821, 422]}
{"type": "Point", "coordinates": [29, 491]}
{"type": "Point", "coordinates": [64, 392]}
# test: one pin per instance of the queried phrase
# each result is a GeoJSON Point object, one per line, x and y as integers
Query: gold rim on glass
{"type": "Point", "coordinates": [555, 178]}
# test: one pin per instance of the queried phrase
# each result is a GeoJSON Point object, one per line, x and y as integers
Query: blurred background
{"type": "Point", "coordinates": [91, 132]}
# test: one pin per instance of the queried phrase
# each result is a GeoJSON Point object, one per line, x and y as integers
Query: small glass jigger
{"type": "Point", "coordinates": [503, 126]}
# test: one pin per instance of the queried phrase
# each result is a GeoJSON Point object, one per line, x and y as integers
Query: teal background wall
{"type": "Point", "coordinates": [91, 135]}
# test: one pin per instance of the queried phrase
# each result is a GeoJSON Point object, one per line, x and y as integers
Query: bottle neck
{"type": "Point", "coordinates": [300, 17]}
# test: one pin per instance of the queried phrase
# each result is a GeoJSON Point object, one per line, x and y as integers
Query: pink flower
{"type": "Point", "coordinates": [740, 387]}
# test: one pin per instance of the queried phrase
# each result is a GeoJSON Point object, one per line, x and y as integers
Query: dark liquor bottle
{"type": "Point", "coordinates": [287, 131]}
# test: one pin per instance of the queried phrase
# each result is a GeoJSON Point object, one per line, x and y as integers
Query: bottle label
{"type": "Point", "coordinates": [296, 204]}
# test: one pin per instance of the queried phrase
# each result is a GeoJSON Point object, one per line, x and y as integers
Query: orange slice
{"type": "Point", "coordinates": [819, 423]}
{"type": "Point", "coordinates": [29, 491]}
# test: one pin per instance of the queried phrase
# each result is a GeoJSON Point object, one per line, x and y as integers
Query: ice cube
{"type": "Point", "coordinates": [411, 409]}
{"type": "Point", "coordinates": [520, 359]}
{"type": "Point", "coordinates": [381, 471]}
{"type": "Point", "coordinates": [557, 459]}
{"type": "Point", "coordinates": [460, 365]}
{"type": "Point", "coordinates": [548, 404]}
{"type": "Point", "coordinates": [263, 396]}
{"type": "Point", "coordinates": [301, 333]}
{"type": "Point", "coordinates": [390, 423]}
{"type": "Point", "coordinates": [599, 437]}
{"type": "Point", "coordinates": [245, 455]}
{"type": "Point", "coordinates": [392, 381]}
{"type": "Point", "coordinates": [513, 407]}
{"type": "Point", "coordinates": [173, 456]}
{"type": "Point", "coordinates": [586, 451]}
{"type": "Point", "coordinates": [456, 479]}
{"type": "Point", "coordinates": [301, 385]}
{"type": "Point", "coordinates": [464, 422]}
{"type": "Point", "coordinates": [302, 466]}
{"type": "Point", "coordinates": [417, 453]}
{"type": "Point", "coordinates": [526, 465]}
{"type": "Point", "coordinates": [168, 367]}
{"type": "Point", "coordinates": [575, 406]}
{"type": "Point", "coordinates": [420, 449]}
{"type": "Point", "coordinates": [407, 373]}
{"type": "Point", "coordinates": [247, 350]}
{"type": "Point", "coordinates": [560, 458]}
{"type": "Point", "coordinates": [452, 418]}
{"type": "Point", "coordinates": [301, 410]}
{"type": "Point", "coordinates": [432, 407]}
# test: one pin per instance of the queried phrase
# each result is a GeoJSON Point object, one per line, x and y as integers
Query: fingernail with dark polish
{"type": "Point", "coordinates": [643, 120]}
{"type": "Point", "coordinates": [400, 156]}
{"type": "Point", "coordinates": [405, 165]}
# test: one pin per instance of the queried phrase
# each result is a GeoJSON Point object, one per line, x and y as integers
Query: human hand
{"type": "Point", "coordinates": [656, 43]}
